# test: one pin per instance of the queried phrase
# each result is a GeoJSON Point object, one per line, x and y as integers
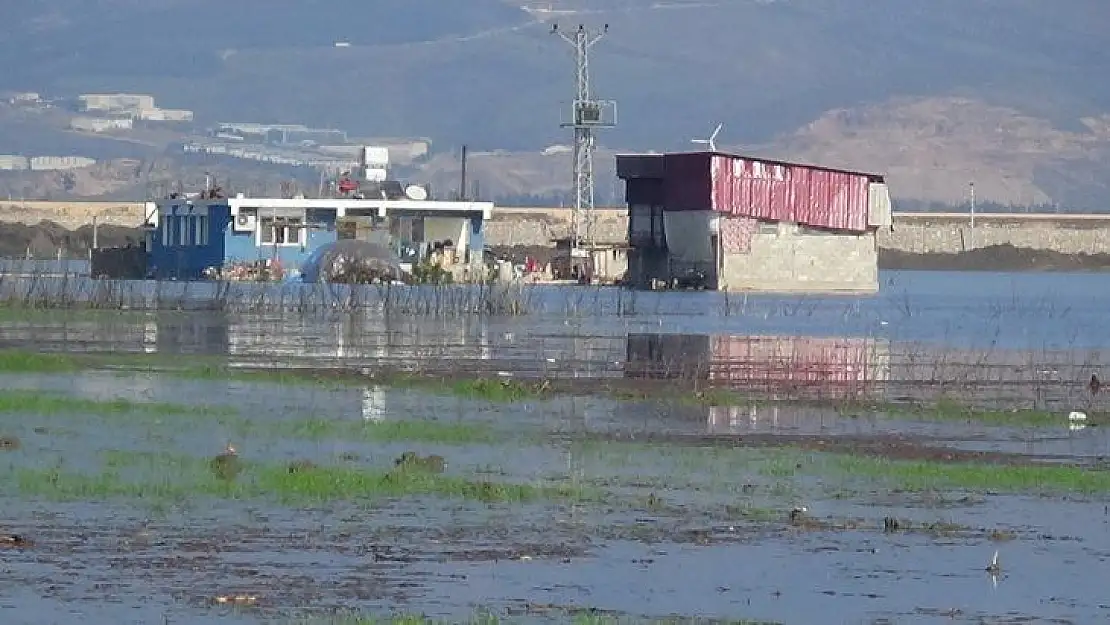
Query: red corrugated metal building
{"type": "Point", "coordinates": [733, 222]}
{"type": "Point", "coordinates": [744, 186]}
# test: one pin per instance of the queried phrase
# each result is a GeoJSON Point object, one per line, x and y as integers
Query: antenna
{"type": "Point", "coordinates": [712, 140]}
{"type": "Point", "coordinates": [586, 115]}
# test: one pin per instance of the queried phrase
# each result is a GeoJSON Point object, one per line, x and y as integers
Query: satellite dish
{"type": "Point", "coordinates": [712, 140]}
{"type": "Point", "coordinates": [416, 193]}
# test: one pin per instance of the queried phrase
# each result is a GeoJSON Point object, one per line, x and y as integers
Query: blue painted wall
{"type": "Point", "coordinates": [188, 240]}
{"type": "Point", "coordinates": [246, 247]}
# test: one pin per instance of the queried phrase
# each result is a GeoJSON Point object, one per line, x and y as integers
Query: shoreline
{"type": "Point", "coordinates": [987, 259]}
{"type": "Point", "coordinates": [45, 239]}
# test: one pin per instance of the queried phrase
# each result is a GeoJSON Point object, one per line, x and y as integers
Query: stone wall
{"type": "Point", "coordinates": [950, 234]}
{"type": "Point", "coordinates": [796, 260]}
{"type": "Point", "coordinates": [538, 226]}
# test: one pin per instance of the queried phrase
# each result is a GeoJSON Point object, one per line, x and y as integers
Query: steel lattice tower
{"type": "Point", "coordinates": [586, 115]}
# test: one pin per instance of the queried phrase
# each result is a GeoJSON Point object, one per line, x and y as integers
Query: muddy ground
{"type": "Point", "coordinates": [116, 515]}
{"type": "Point", "coordinates": [571, 483]}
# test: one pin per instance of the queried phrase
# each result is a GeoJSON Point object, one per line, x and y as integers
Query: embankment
{"type": "Point", "coordinates": [998, 242]}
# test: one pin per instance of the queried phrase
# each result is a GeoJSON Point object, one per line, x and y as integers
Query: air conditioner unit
{"type": "Point", "coordinates": [245, 222]}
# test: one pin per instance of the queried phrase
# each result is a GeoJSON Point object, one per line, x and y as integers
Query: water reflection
{"type": "Point", "coordinates": [799, 365]}
{"type": "Point", "coordinates": [207, 333]}
{"type": "Point", "coordinates": [827, 367]}
{"type": "Point", "coordinates": [373, 404]}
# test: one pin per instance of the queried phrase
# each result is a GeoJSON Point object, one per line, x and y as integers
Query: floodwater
{"type": "Point", "coordinates": [681, 527]}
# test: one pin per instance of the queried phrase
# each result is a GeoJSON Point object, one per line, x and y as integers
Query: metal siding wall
{"type": "Point", "coordinates": [187, 262]}
{"type": "Point", "coordinates": [688, 182]}
{"type": "Point", "coordinates": [643, 191]}
{"type": "Point", "coordinates": [794, 193]}
{"type": "Point", "coordinates": [639, 224]}
{"type": "Point", "coordinates": [632, 166]}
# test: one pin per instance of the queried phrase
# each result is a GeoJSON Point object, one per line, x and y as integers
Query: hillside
{"type": "Point", "coordinates": [1003, 91]}
{"type": "Point", "coordinates": [761, 67]}
{"type": "Point", "coordinates": [931, 148]}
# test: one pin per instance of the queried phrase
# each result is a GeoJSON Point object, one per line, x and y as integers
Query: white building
{"type": "Point", "coordinates": [13, 162]}
{"type": "Point", "coordinates": [166, 115]}
{"type": "Point", "coordinates": [100, 124]}
{"type": "Point", "coordinates": [129, 103]}
{"type": "Point", "coordinates": [55, 163]}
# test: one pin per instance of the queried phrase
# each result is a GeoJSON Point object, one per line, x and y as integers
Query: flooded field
{"type": "Point", "coordinates": [607, 457]}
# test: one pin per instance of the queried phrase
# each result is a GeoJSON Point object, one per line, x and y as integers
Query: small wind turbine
{"type": "Point", "coordinates": [712, 140]}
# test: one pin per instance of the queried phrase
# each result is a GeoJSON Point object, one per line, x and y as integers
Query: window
{"type": "Point", "coordinates": [182, 231]}
{"type": "Point", "coordinates": [280, 230]}
{"type": "Point", "coordinates": [165, 223]}
{"type": "Point", "coordinates": [200, 230]}
{"type": "Point", "coordinates": [769, 227]}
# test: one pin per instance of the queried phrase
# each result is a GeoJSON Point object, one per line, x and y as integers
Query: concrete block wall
{"type": "Point", "coordinates": [794, 260]}
{"type": "Point", "coordinates": [952, 234]}
{"type": "Point", "coordinates": [538, 226]}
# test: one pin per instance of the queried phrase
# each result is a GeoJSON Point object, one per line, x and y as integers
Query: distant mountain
{"type": "Point", "coordinates": [488, 73]}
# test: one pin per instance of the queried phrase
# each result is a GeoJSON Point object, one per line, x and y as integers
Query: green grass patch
{"type": "Point", "coordinates": [786, 466]}
{"type": "Point", "coordinates": [30, 361]}
{"type": "Point", "coordinates": [281, 377]}
{"type": "Point", "coordinates": [417, 430]}
{"type": "Point", "coordinates": [925, 475]}
{"type": "Point", "coordinates": [497, 390]}
{"type": "Point", "coordinates": [156, 476]}
{"type": "Point", "coordinates": [48, 403]}
{"type": "Point", "coordinates": [946, 409]}
{"type": "Point", "coordinates": [485, 389]}
{"type": "Point", "coordinates": [20, 361]}
{"type": "Point", "coordinates": [38, 315]}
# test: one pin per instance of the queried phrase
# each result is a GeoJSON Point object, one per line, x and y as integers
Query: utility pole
{"type": "Point", "coordinates": [971, 206]}
{"type": "Point", "coordinates": [586, 115]}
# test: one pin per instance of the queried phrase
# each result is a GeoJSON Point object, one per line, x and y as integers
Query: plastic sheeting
{"type": "Point", "coordinates": [352, 261]}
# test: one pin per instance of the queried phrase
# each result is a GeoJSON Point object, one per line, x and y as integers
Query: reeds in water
{"type": "Point", "coordinates": [73, 292]}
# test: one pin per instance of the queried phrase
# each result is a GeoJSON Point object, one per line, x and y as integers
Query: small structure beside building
{"type": "Point", "coordinates": [740, 223]}
{"type": "Point", "coordinates": [600, 263]}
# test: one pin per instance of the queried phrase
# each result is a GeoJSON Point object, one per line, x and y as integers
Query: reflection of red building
{"type": "Point", "coordinates": [807, 366]}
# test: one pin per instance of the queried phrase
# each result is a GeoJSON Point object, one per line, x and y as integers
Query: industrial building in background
{"type": "Point", "coordinates": [131, 105]}
{"type": "Point", "coordinates": [738, 223]}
